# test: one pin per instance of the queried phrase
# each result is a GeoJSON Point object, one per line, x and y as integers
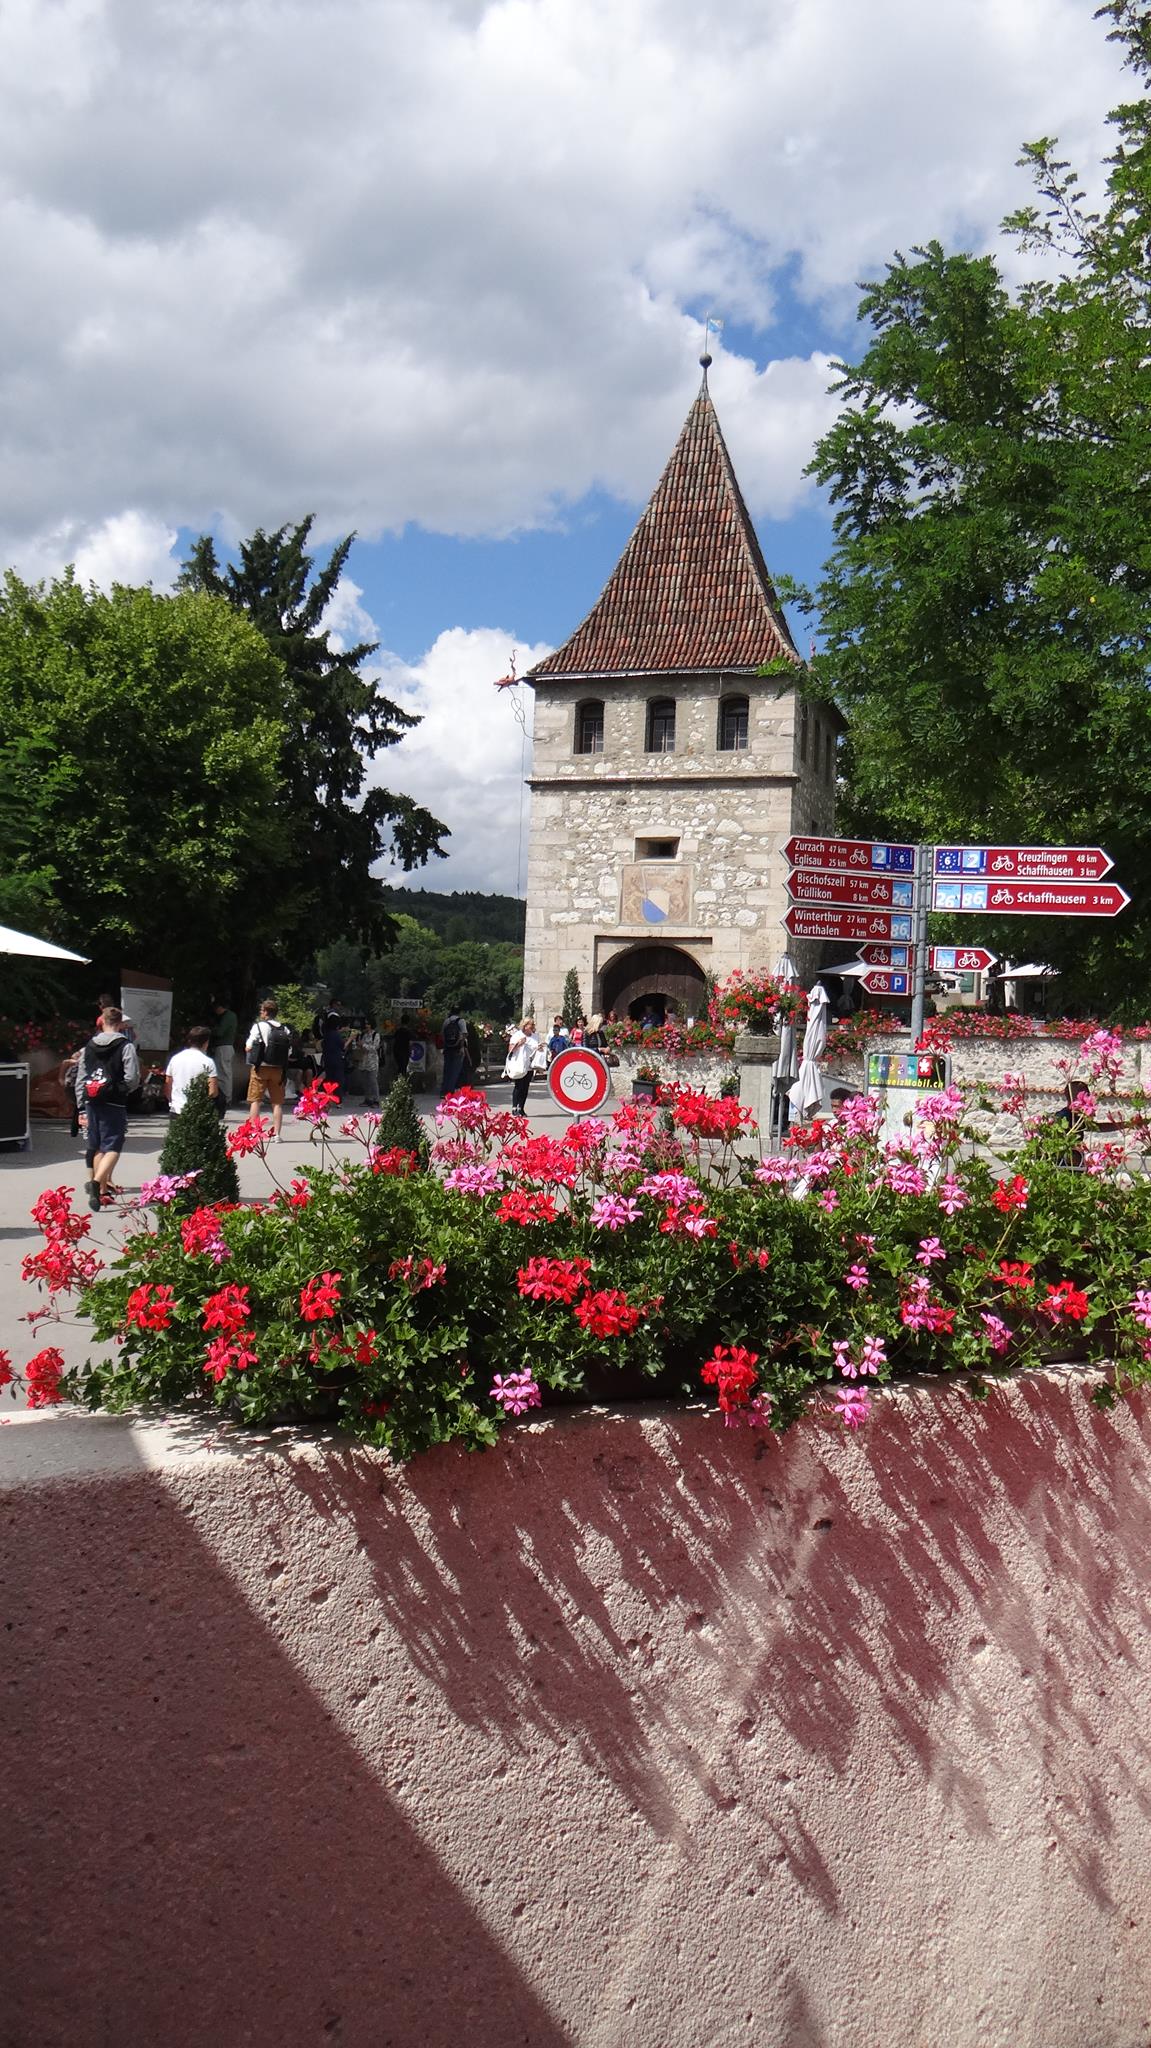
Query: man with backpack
{"type": "Point", "coordinates": [268, 1048]}
{"type": "Point", "coordinates": [108, 1072]}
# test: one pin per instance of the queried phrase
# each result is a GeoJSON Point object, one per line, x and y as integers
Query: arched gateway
{"type": "Point", "coordinates": [662, 980]}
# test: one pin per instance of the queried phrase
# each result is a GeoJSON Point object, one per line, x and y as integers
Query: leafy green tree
{"type": "Point", "coordinates": [143, 733]}
{"type": "Point", "coordinates": [572, 1006]}
{"type": "Point", "coordinates": [987, 607]}
{"type": "Point", "coordinates": [337, 718]}
{"type": "Point", "coordinates": [195, 1143]}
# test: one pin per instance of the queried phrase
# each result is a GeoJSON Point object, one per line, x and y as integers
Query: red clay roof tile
{"type": "Point", "coordinates": [691, 590]}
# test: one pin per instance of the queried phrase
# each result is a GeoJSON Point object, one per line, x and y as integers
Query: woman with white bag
{"type": "Point", "coordinates": [523, 1050]}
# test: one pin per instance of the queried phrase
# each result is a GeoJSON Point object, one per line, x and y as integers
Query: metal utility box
{"type": "Point", "coordinates": [14, 1090]}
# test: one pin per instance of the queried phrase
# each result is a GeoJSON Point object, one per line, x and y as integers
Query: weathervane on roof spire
{"type": "Point", "coordinates": [712, 325]}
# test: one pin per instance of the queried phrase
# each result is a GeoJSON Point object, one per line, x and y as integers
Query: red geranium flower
{"type": "Point", "coordinates": [394, 1160]}
{"type": "Point", "coordinates": [320, 1298]}
{"type": "Point", "coordinates": [608, 1313]}
{"type": "Point", "coordinates": [1011, 1194]}
{"type": "Point", "coordinates": [731, 1369]}
{"type": "Point", "coordinates": [1065, 1303]}
{"type": "Point", "coordinates": [150, 1308]}
{"type": "Point", "coordinates": [1016, 1273]}
{"type": "Point", "coordinates": [520, 1207]}
{"type": "Point", "coordinates": [553, 1279]}
{"type": "Point", "coordinates": [42, 1378]}
{"type": "Point", "coordinates": [227, 1310]}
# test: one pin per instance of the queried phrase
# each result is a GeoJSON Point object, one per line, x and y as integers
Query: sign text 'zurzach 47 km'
{"type": "Point", "coordinates": [851, 856]}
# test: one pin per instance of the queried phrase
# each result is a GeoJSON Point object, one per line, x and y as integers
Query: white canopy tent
{"type": "Point", "coordinates": [28, 948]}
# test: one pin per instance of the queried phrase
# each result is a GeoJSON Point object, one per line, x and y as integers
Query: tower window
{"type": "Point", "coordinates": [656, 849]}
{"type": "Point", "coordinates": [732, 734]}
{"type": "Point", "coordinates": [803, 732]}
{"type": "Point", "coordinates": [589, 727]}
{"type": "Point", "coordinates": [827, 758]}
{"type": "Point", "coordinates": [661, 726]}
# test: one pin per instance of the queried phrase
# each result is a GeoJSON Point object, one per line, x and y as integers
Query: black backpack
{"type": "Point", "coordinates": [453, 1035]}
{"type": "Point", "coordinates": [103, 1069]}
{"type": "Point", "coordinates": [274, 1043]}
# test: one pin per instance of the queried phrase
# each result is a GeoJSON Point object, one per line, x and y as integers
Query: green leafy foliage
{"type": "Point", "coordinates": [987, 606]}
{"type": "Point", "coordinates": [483, 977]}
{"type": "Point", "coordinates": [195, 1144]}
{"type": "Point", "coordinates": [140, 736]}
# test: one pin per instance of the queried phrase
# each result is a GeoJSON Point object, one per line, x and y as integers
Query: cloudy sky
{"type": "Point", "coordinates": [436, 269]}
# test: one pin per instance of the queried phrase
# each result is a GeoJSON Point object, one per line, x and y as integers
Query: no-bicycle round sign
{"type": "Point", "coordinates": [579, 1079]}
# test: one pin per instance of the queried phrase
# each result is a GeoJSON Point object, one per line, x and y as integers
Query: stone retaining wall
{"type": "Point", "coordinates": [633, 1733]}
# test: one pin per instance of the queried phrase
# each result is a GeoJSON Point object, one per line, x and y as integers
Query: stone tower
{"type": "Point", "coordinates": [666, 772]}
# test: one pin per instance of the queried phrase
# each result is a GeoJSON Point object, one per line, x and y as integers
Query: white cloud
{"type": "Point", "coordinates": [434, 260]}
{"type": "Point", "coordinates": [128, 547]}
{"type": "Point", "coordinates": [468, 758]}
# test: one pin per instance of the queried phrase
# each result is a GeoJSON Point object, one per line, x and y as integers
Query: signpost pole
{"type": "Point", "coordinates": [924, 870]}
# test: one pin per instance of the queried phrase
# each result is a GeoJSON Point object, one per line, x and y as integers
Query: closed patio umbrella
{"type": "Point", "coordinates": [807, 1093]}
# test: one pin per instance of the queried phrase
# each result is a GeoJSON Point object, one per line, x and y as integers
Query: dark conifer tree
{"type": "Point", "coordinates": [337, 719]}
{"type": "Point", "coordinates": [571, 1008]}
{"type": "Point", "coordinates": [195, 1144]}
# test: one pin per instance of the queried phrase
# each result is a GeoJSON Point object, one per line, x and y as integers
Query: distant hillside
{"type": "Point", "coordinates": [464, 914]}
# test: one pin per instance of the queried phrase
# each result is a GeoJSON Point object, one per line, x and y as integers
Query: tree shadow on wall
{"type": "Point", "coordinates": [194, 1852]}
{"type": "Point", "coordinates": [804, 1584]}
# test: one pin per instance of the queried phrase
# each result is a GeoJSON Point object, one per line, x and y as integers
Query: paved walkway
{"type": "Point", "coordinates": [56, 1160]}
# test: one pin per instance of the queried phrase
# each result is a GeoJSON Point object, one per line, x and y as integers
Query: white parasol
{"type": "Point", "coordinates": [35, 949]}
{"type": "Point", "coordinates": [807, 1093]}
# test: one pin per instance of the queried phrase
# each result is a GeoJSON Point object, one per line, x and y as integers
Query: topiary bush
{"type": "Point", "coordinates": [400, 1122]}
{"type": "Point", "coordinates": [196, 1144]}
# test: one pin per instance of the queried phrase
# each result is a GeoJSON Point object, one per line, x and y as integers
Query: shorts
{"type": "Point", "coordinates": [269, 1080]}
{"type": "Point", "coordinates": [107, 1128]}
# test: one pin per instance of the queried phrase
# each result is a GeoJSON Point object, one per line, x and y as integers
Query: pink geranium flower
{"type": "Point", "coordinates": [614, 1212]}
{"type": "Point", "coordinates": [853, 1406]}
{"type": "Point", "coordinates": [515, 1392]}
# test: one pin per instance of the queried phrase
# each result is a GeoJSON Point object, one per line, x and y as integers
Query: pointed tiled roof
{"type": "Point", "coordinates": [691, 590]}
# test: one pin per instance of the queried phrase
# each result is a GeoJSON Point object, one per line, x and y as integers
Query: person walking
{"type": "Point", "coordinates": [183, 1067]}
{"type": "Point", "coordinates": [222, 1048]}
{"type": "Point", "coordinates": [370, 1064]}
{"type": "Point", "coordinates": [332, 1049]}
{"type": "Point", "coordinates": [107, 1074]}
{"type": "Point", "coordinates": [523, 1048]}
{"type": "Point", "coordinates": [455, 1045]}
{"type": "Point", "coordinates": [268, 1045]}
{"type": "Point", "coordinates": [401, 1048]}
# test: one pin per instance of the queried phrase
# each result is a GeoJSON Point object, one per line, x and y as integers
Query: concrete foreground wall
{"type": "Point", "coordinates": [634, 1733]}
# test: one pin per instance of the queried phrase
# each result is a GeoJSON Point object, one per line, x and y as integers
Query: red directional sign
{"type": "Point", "coordinates": [960, 959]}
{"type": "Point", "coordinates": [1025, 863]}
{"type": "Point", "coordinates": [812, 885]}
{"type": "Point", "coordinates": [898, 957]}
{"type": "Point", "coordinates": [578, 1079]}
{"type": "Point", "coordinates": [878, 983]}
{"type": "Point", "coordinates": [1031, 899]}
{"type": "Point", "coordinates": [809, 921]}
{"type": "Point", "coordinates": [851, 856]}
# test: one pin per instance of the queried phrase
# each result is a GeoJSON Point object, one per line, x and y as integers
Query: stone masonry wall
{"type": "Point", "coordinates": [731, 813]}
